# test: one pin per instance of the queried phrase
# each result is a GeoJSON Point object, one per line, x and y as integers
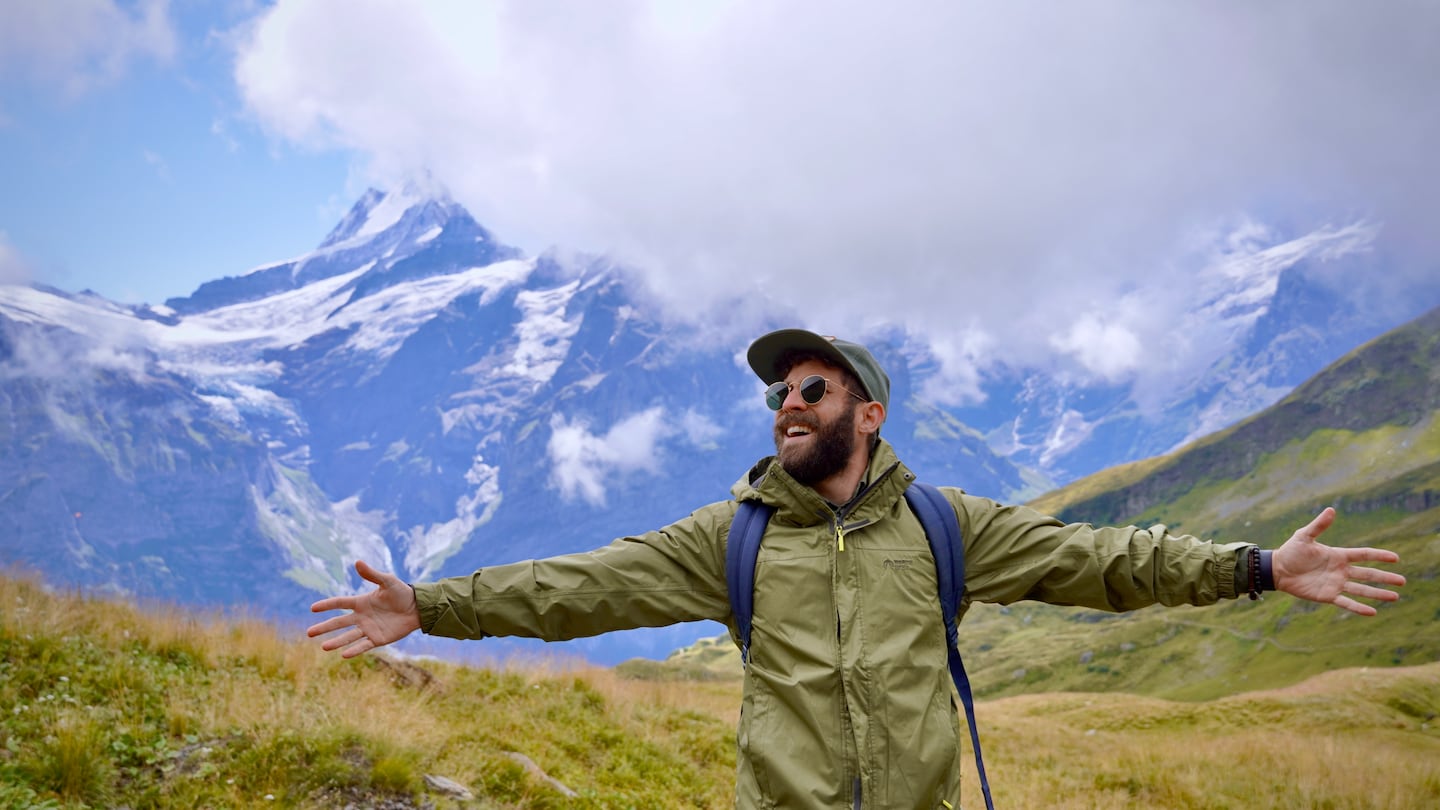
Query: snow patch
{"type": "Point", "coordinates": [543, 332]}
{"type": "Point", "coordinates": [387, 317]}
{"type": "Point", "coordinates": [426, 549]}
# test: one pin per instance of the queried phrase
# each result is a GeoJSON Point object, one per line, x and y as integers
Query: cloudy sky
{"type": "Point", "coordinates": [1010, 179]}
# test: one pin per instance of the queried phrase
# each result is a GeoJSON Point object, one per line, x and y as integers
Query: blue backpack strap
{"type": "Point", "coordinates": [942, 529]}
{"type": "Point", "coordinates": [742, 547]}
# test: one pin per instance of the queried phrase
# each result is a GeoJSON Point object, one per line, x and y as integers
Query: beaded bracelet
{"type": "Point", "coordinates": [1253, 562]}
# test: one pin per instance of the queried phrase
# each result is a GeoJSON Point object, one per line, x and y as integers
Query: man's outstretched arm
{"type": "Point", "coordinates": [1308, 569]}
{"type": "Point", "coordinates": [383, 616]}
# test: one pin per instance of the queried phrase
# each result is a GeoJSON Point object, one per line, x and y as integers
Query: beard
{"type": "Point", "coordinates": [831, 444]}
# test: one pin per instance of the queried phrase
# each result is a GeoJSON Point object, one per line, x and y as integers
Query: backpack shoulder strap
{"type": "Point", "coordinates": [742, 546]}
{"type": "Point", "coordinates": [942, 530]}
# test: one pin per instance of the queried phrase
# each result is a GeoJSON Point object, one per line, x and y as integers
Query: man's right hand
{"type": "Point", "coordinates": [383, 616]}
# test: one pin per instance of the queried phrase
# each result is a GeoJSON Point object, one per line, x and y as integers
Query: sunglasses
{"type": "Point", "coordinates": [812, 390]}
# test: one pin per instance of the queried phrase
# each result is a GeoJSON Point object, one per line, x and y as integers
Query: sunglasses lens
{"type": "Point", "coordinates": [812, 389]}
{"type": "Point", "coordinates": [775, 395]}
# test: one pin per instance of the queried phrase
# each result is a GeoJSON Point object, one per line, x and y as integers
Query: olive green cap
{"type": "Point", "coordinates": [765, 353]}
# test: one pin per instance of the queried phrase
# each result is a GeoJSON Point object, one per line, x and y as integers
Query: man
{"type": "Point", "coordinates": [847, 699]}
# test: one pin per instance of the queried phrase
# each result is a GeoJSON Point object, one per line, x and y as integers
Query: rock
{"type": "Point", "coordinates": [534, 770]}
{"type": "Point", "coordinates": [449, 787]}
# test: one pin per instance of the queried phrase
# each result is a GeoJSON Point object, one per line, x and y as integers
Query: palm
{"type": "Point", "coordinates": [382, 616]}
{"type": "Point", "coordinates": [1308, 569]}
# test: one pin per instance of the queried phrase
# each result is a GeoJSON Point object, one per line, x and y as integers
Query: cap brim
{"type": "Point", "coordinates": [765, 353]}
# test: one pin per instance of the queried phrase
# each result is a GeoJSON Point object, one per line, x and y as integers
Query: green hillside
{"type": "Point", "coordinates": [1362, 436]}
{"type": "Point", "coordinates": [108, 705]}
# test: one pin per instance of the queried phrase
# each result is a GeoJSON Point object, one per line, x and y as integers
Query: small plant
{"type": "Point", "coordinates": [394, 775]}
{"type": "Point", "coordinates": [73, 762]}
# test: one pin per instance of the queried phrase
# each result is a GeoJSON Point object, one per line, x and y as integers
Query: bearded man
{"type": "Point", "coordinates": [847, 699]}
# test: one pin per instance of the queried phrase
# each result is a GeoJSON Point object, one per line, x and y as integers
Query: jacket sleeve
{"type": "Point", "coordinates": [1014, 553]}
{"type": "Point", "coordinates": [675, 574]}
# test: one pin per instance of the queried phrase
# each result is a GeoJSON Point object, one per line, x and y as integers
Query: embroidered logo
{"type": "Point", "coordinates": [898, 565]}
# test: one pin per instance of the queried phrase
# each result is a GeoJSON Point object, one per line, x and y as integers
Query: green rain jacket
{"type": "Point", "coordinates": [847, 698]}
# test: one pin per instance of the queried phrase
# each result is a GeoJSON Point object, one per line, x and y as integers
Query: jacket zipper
{"type": "Point", "coordinates": [839, 514]}
{"type": "Point", "coordinates": [840, 529]}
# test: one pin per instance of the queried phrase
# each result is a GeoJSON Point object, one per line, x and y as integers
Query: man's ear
{"type": "Point", "coordinates": [870, 418]}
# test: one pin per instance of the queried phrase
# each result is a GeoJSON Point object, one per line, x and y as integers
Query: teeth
{"type": "Point", "coordinates": [798, 431]}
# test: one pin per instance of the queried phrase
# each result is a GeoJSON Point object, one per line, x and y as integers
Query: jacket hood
{"type": "Point", "coordinates": [800, 505]}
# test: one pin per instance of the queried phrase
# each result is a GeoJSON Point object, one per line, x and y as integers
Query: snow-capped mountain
{"type": "Point", "coordinates": [417, 394]}
{"type": "Point", "coordinates": [412, 393]}
{"type": "Point", "coordinates": [1267, 320]}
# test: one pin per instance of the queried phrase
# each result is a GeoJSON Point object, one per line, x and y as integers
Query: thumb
{"type": "Point", "coordinates": [374, 575]}
{"type": "Point", "coordinates": [1317, 527]}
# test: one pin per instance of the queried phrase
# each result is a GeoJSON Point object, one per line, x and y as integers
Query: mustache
{"type": "Point", "coordinates": [786, 421]}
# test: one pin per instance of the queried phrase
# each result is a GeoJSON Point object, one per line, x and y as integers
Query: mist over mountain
{"type": "Point", "coordinates": [418, 394]}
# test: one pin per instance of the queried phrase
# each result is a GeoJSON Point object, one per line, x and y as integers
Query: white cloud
{"type": "Point", "coordinates": [79, 44]}
{"type": "Point", "coordinates": [162, 169]}
{"type": "Point", "coordinates": [583, 461]}
{"type": "Point", "coordinates": [700, 431]}
{"type": "Point", "coordinates": [1101, 345]}
{"type": "Point", "coordinates": [984, 174]}
{"type": "Point", "coordinates": [959, 358]}
{"type": "Point", "coordinates": [14, 269]}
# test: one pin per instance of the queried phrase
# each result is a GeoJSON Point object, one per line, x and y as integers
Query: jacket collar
{"type": "Point", "coordinates": [884, 483]}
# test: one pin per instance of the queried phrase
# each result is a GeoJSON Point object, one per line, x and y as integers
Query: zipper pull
{"type": "Point", "coordinates": [840, 536]}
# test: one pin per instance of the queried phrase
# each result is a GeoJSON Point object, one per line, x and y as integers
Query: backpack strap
{"type": "Point", "coordinates": [942, 530]}
{"type": "Point", "coordinates": [742, 546]}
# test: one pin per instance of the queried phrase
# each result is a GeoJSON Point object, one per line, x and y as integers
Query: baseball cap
{"type": "Point", "coordinates": [765, 354]}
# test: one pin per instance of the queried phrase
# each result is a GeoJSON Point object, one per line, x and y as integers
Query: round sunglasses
{"type": "Point", "coordinates": [812, 390]}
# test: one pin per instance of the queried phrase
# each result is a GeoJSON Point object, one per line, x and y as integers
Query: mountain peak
{"type": "Point", "coordinates": [378, 211]}
{"type": "Point", "coordinates": [382, 229]}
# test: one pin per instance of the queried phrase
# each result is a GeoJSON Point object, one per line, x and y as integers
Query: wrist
{"type": "Point", "coordinates": [1259, 571]}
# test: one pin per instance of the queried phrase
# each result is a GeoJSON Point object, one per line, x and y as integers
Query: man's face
{"type": "Point", "coordinates": [816, 441]}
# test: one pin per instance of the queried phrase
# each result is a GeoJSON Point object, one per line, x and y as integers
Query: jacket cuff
{"type": "Point", "coordinates": [427, 603]}
{"type": "Point", "coordinates": [1238, 577]}
{"type": "Point", "coordinates": [447, 609]}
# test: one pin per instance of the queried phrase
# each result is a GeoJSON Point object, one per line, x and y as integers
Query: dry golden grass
{"type": "Point", "coordinates": [140, 691]}
{"type": "Point", "coordinates": [1337, 741]}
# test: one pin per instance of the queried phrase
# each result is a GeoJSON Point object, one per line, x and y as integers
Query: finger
{"type": "Point", "coordinates": [381, 578]}
{"type": "Point", "coordinates": [1317, 527]}
{"type": "Point", "coordinates": [1351, 605]}
{"type": "Point", "coordinates": [1370, 592]}
{"type": "Point", "coordinates": [1378, 575]}
{"type": "Point", "coordinates": [330, 625]}
{"type": "Point", "coordinates": [333, 603]}
{"type": "Point", "coordinates": [1370, 555]}
{"type": "Point", "coordinates": [364, 645]}
{"type": "Point", "coordinates": [354, 635]}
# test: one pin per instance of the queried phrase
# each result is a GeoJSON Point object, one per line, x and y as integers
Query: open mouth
{"type": "Point", "coordinates": [795, 430]}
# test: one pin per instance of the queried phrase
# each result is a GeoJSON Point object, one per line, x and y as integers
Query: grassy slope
{"type": "Point", "coordinates": [1363, 435]}
{"type": "Point", "coordinates": [108, 705]}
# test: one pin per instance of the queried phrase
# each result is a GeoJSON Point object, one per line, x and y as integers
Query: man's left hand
{"type": "Point", "coordinates": [1309, 569]}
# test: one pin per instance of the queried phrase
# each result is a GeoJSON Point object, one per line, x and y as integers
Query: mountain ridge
{"type": "Point", "coordinates": [413, 392]}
